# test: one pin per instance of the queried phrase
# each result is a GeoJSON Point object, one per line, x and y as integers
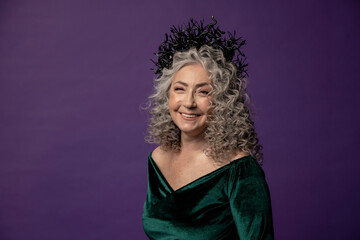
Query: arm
{"type": "Point", "coordinates": [249, 200]}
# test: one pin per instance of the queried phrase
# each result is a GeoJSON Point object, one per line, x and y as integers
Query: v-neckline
{"type": "Point", "coordinates": [197, 180]}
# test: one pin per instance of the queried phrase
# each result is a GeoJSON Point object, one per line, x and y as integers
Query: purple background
{"type": "Point", "coordinates": [74, 73]}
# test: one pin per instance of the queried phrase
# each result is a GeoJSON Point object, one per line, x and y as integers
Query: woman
{"type": "Point", "coordinates": [204, 179]}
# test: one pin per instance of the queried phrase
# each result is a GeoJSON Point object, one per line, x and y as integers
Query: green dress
{"type": "Point", "coordinates": [232, 202]}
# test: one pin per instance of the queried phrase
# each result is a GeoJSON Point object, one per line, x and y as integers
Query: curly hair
{"type": "Point", "coordinates": [230, 128]}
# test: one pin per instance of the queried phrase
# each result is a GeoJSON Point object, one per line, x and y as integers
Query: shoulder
{"type": "Point", "coordinates": [158, 152]}
{"type": "Point", "coordinates": [245, 165]}
{"type": "Point", "coordinates": [246, 174]}
{"type": "Point", "coordinates": [238, 155]}
{"type": "Point", "coordinates": [159, 155]}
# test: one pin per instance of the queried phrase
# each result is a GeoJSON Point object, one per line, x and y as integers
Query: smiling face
{"type": "Point", "coordinates": [189, 99]}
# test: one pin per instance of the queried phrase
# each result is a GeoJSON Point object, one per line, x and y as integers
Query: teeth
{"type": "Point", "coordinates": [189, 116]}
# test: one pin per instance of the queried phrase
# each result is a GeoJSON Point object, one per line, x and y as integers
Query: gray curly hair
{"type": "Point", "coordinates": [230, 128]}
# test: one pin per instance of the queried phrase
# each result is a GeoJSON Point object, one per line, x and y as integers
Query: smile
{"type": "Point", "coordinates": [192, 116]}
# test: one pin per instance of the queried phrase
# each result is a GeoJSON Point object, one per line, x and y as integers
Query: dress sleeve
{"type": "Point", "coordinates": [249, 200]}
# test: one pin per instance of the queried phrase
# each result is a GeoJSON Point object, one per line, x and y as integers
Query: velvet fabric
{"type": "Point", "coordinates": [232, 202]}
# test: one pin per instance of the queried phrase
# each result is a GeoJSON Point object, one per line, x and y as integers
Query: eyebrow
{"type": "Point", "coordinates": [197, 85]}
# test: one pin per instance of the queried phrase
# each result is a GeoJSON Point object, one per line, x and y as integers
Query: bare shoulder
{"type": "Point", "coordinates": [159, 155]}
{"type": "Point", "coordinates": [157, 151]}
{"type": "Point", "coordinates": [238, 155]}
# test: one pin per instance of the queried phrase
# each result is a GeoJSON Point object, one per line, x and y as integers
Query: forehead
{"type": "Point", "coordinates": [194, 73]}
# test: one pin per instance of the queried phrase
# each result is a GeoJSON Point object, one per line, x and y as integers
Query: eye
{"type": "Point", "coordinates": [204, 92]}
{"type": "Point", "coordinates": [178, 89]}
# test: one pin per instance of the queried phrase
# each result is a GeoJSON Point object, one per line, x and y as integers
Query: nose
{"type": "Point", "coordinates": [189, 101]}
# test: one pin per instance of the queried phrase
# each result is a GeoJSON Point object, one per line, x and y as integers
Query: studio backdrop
{"type": "Point", "coordinates": [74, 76]}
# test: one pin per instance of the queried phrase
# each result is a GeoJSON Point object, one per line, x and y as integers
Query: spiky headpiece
{"type": "Point", "coordinates": [194, 34]}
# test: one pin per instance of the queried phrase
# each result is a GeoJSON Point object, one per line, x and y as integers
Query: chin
{"type": "Point", "coordinates": [192, 132]}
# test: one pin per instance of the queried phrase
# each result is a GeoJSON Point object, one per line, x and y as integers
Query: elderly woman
{"type": "Point", "coordinates": [204, 178]}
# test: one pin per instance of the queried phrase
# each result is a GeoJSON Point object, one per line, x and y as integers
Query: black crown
{"type": "Point", "coordinates": [194, 34]}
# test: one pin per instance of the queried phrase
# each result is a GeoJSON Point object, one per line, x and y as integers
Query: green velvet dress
{"type": "Point", "coordinates": [232, 202]}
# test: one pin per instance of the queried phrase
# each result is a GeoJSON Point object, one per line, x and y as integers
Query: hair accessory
{"type": "Point", "coordinates": [194, 34]}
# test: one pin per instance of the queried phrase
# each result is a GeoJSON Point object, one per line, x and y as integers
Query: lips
{"type": "Point", "coordinates": [189, 115]}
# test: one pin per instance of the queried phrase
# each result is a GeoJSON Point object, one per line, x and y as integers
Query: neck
{"type": "Point", "coordinates": [192, 143]}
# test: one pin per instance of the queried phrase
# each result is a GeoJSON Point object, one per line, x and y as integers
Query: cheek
{"type": "Point", "coordinates": [205, 104]}
{"type": "Point", "coordinates": [209, 110]}
{"type": "Point", "coordinates": [172, 102]}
